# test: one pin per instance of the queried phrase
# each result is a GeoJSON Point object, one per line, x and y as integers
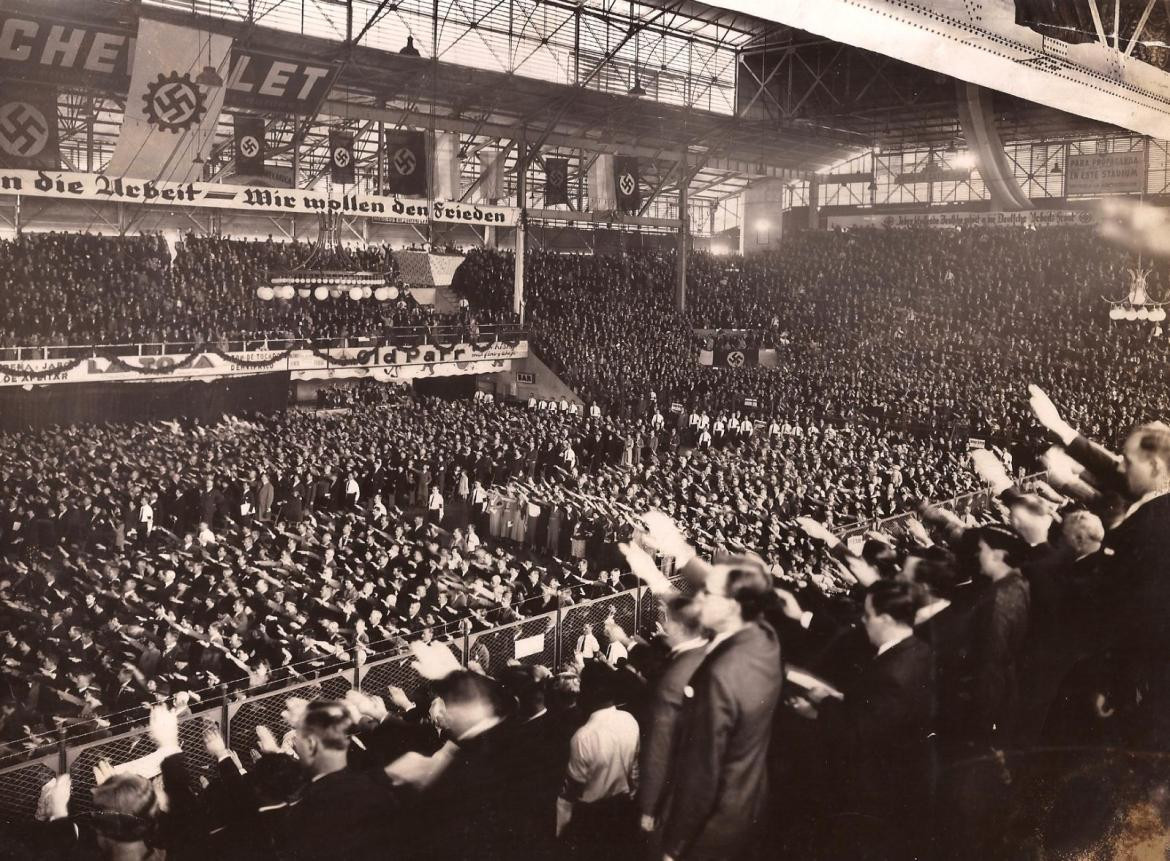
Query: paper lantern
{"type": "Point", "coordinates": [367, 292]}
{"type": "Point", "coordinates": [355, 293]}
{"type": "Point", "coordinates": [1116, 313]}
{"type": "Point", "coordinates": [334, 292]}
{"type": "Point", "coordinates": [381, 294]}
{"type": "Point", "coordinates": [265, 293]}
{"type": "Point", "coordinates": [1143, 313]}
{"type": "Point", "coordinates": [1158, 315]}
{"type": "Point", "coordinates": [321, 294]}
{"type": "Point", "coordinates": [392, 292]}
{"type": "Point", "coordinates": [304, 292]}
{"type": "Point", "coordinates": [287, 292]}
{"type": "Point", "coordinates": [1131, 314]}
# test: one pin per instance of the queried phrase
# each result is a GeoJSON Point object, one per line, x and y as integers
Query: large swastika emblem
{"type": "Point", "coordinates": [24, 131]}
{"type": "Point", "coordinates": [405, 162]}
{"type": "Point", "coordinates": [173, 102]}
{"type": "Point", "coordinates": [341, 156]}
{"type": "Point", "coordinates": [626, 184]}
{"type": "Point", "coordinates": [249, 146]}
{"type": "Point", "coordinates": [735, 359]}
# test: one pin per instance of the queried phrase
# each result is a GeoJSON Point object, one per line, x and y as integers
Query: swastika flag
{"type": "Point", "coordinates": [406, 163]}
{"type": "Point", "coordinates": [341, 157]}
{"type": "Point", "coordinates": [251, 149]}
{"type": "Point", "coordinates": [627, 184]}
{"type": "Point", "coordinates": [28, 128]}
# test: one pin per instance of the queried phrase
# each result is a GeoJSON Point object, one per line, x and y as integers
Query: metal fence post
{"type": "Point", "coordinates": [224, 718]}
{"type": "Point", "coordinates": [466, 645]}
{"type": "Point", "coordinates": [62, 754]}
{"type": "Point", "coordinates": [357, 666]}
{"type": "Point", "coordinates": [638, 610]}
{"type": "Point", "coordinates": [557, 640]}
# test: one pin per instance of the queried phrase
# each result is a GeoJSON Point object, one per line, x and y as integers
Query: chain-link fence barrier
{"type": "Point", "coordinates": [267, 710]}
{"type": "Point", "coordinates": [547, 638]}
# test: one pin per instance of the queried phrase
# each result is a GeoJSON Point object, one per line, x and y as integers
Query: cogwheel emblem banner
{"type": "Point", "coordinates": [173, 104]}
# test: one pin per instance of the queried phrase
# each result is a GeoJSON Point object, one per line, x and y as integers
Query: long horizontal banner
{"type": "Point", "coordinates": [98, 188]}
{"type": "Point", "coordinates": [1027, 218]}
{"type": "Point", "coordinates": [55, 49]}
{"type": "Point", "coordinates": [383, 363]}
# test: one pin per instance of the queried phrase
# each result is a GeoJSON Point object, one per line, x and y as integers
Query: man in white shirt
{"type": "Point", "coordinates": [587, 645]}
{"type": "Point", "coordinates": [595, 814]}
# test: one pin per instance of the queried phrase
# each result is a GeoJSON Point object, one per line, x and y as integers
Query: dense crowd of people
{"type": "Point", "coordinates": [142, 566]}
{"type": "Point", "coordinates": [923, 328]}
{"type": "Point", "coordinates": [58, 289]}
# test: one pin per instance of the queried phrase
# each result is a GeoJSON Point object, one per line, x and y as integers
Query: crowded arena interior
{"type": "Point", "coordinates": [539, 430]}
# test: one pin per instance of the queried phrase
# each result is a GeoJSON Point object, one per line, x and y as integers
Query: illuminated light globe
{"type": "Point", "coordinates": [1131, 314]}
{"type": "Point", "coordinates": [334, 292]}
{"type": "Point", "coordinates": [355, 293]}
{"type": "Point", "coordinates": [1158, 315]}
{"type": "Point", "coordinates": [381, 294]}
{"type": "Point", "coordinates": [367, 292]}
{"type": "Point", "coordinates": [1143, 313]}
{"type": "Point", "coordinates": [265, 294]}
{"type": "Point", "coordinates": [321, 294]}
{"type": "Point", "coordinates": [1116, 313]}
{"type": "Point", "coordinates": [391, 292]}
{"type": "Point", "coordinates": [304, 292]}
{"type": "Point", "coordinates": [287, 292]}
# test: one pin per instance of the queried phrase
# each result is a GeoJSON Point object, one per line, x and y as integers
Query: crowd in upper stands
{"type": "Point", "coordinates": [57, 289]}
{"type": "Point", "coordinates": [317, 540]}
{"type": "Point", "coordinates": [927, 328]}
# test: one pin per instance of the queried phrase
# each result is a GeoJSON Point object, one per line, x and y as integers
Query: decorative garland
{"type": "Point", "coordinates": [28, 374]}
{"type": "Point", "coordinates": [116, 361]}
{"type": "Point", "coordinates": [363, 357]}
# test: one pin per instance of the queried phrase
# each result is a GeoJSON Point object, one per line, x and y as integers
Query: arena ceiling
{"type": "Point", "coordinates": [748, 97]}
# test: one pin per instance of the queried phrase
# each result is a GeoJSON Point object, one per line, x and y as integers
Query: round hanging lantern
{"type": "Point", "coordinates": [381, 294]}
{"type": "Point", "coordinates": [287, 292]}
{"type": "Point", "coordinates": [1116, 313]}
{"type": "Point", "coordinates": [355, 293]}
{"type": "Point", "coordinates": [321, 294]}
{"type": "Point", "coordinates": [392, 292]}
{"type": "Point", "coordinates": [367, 292]}
{"type": "Point", "coordinates": [265, 294]}
{"type": "Point", "coordinates": [1143, 313]}
{"type": "Point", "coordinates": [335, 292]}
{"type": "Point", "coordinates": [304, 292]}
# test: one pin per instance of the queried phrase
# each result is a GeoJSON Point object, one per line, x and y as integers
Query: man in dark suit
{"type": "Point", "coordinates": [344, 812]}
{"type": "Point", "coordinates": [880, 731]}
{"type": "Point", "coordinates": [685, 635]}
{"type": "Point", "coordinates": [718, 779]}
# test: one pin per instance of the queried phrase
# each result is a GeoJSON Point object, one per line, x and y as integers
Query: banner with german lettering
{"type": "Point", "coordinates": [28, 127]}
{"type": "Point", "coordinates": [251, 147]}
{"type": "Point", "coordinates": [341, 157]}
{"type": "Point", "coordinates": [172, 108]}
{"type": "Point", "coordinates": [627, 184]}
{"type": "Point", "coordinates": [50, 46]}
{"type": "Point", "coordinates": [406, 163]}
{"type": "Point", "coordinates": [735, 358]}
{"type": "Point", "coordinates": [556, 181]}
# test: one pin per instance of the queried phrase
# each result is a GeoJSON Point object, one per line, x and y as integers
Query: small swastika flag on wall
{"type": "Point", "coordinates": [28, 128]}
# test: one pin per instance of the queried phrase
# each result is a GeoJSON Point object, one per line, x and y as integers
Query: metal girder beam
{"type": "Point", "coordinates": [399, 116]}
{"type": "Point", "coordinates": [991, 51]}
{"type": "Point", "coordinates": [1141, 26]}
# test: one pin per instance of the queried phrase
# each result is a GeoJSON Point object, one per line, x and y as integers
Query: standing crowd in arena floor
{"type": "Point", "coordinates": [892, 698]}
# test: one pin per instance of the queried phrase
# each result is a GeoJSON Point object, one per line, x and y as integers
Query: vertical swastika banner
{"type": "Point", "coordinates": [406, 163]}
{"type": "Point", "coordinates": [251, 149]}
{"type": "Point", "coordinates": [627, 184]}
{"type": "Point", "coordinates": [556, 181]}
{"type": "Point", "coordinates": [341, 157]}
{"type": "Point", "coordinates": [176, 92]}
{"type": "Point", "coordinates": [28, 127]}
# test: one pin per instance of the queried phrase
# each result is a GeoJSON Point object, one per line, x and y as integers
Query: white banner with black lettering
{"type": "Point", "coordinates": [1025, 218]}
{"type": "Point", "coordinates": [101, 188]}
